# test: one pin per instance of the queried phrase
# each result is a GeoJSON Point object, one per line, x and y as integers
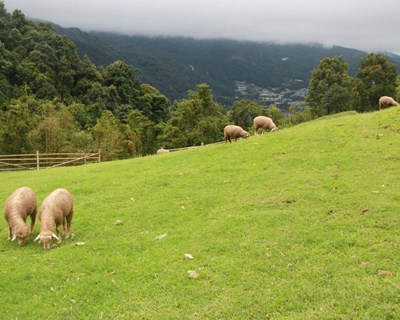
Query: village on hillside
{"type": "Point", "coordinates": [283, 97]}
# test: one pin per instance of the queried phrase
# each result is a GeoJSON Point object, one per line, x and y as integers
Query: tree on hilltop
{"type": "Point", "coordinates": [375, 77]}
{"type": "Point", "coordinates": [195, 120]}
{"type": "Point", "coordinates": [244, 111]}
{"type": "Point", "coordinates": [330, 87]}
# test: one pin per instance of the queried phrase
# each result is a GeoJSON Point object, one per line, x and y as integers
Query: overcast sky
{"type": "Point", "coordinates": [360, 24]}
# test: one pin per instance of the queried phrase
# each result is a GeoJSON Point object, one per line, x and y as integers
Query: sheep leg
{"type": "Point", "coordinates": [58, 233]}
{"type": "Point", "coordinates": [33, 219]}
{"type": "Point", "coordinates": [67, 227]}
{"type": "Point", "coordinates": [9, 233]}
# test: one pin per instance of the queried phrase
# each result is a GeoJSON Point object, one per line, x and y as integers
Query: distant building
{"type": "Point", "coordinates": [283, 97]}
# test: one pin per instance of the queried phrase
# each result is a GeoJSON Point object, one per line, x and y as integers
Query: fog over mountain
{"type": "Point", "coordinates": [359, 24]}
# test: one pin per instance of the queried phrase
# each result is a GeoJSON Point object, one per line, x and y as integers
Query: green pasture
{"type": "Point", "coordinates": [302, 223]}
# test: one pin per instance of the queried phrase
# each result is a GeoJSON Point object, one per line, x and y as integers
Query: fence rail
{"type": "Point", "coordinates": [194, 147]}
{"type": "Point", "coordinates": [36, 161]}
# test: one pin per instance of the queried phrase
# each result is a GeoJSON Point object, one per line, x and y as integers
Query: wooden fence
{"type": "Point", "coordinates": [194, 147]}
{"type": "Point", "coordinates": [36, 161]}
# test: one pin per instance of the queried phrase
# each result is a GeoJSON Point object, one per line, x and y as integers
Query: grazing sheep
{"type": "Point", "coordinates": [386, 101]}
{"type": "Point", "coordinates": [265, 123]}
{"type": "Point", "coordinates": [19, 205]}
{"type": "Point", "coordinates": [56, 209]}
{"type": "Point", "coordinates": [232, 131]}
{"type": "Point", "coordinates": [162, 151]}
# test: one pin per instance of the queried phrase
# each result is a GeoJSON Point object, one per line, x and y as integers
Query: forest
{"type": "Point", "coordinates": [53, 100]}
{"type": "Point", "coordinates": [175, 65]}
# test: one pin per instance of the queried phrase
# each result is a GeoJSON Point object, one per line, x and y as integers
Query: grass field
{"type": "Point", "coordinates": [298, 224]}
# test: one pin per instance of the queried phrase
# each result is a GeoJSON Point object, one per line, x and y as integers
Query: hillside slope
{"type": "Point", "coordinates": [299, 224]}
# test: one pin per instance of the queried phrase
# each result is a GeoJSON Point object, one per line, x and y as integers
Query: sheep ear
{"type": "Point", "coordinates": [37, 238]}
{"type": "Point", "coordinates": [14, 237]}
{"type": "Point", "coordinates": [54, 236]}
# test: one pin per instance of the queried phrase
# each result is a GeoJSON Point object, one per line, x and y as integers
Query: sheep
{"type": "Point", "coordinates": [162, 151]}
{"type": "Point", "coordinates": [265, 123]}
{"type": "Point", "coordinates": [19, 205]}
{"type": "Point", "coordinates": [386, 101]}
{"type": "Point", "coordinates": [56, 209]}
{"type": "Point", "coordinates": [232, 131]}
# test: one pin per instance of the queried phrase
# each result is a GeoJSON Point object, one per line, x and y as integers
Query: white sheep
{"type": "Point", "coordinates": [56, 209]}
{"type": "Point", "coordinates": [386, 101]}
{"type": "Point", "coordinates": [162, 151]}
{"type": "Point", "coordinates": [265, 123]}
{"type": "Point", "coordinates": [235, 132]}
{"type": "Point", "coordinates": [19, 205]}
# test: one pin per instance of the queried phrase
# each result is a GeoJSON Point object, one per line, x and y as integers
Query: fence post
{"type": "Point", "coordinates": [37, 160]}
{"type": "Point", "coordinates": [99, 155]}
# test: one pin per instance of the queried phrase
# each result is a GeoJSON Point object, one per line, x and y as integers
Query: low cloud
{"type": "Point", "coordinates": [351, 23]}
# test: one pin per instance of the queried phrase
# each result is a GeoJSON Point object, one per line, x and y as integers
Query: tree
{"type": "Point", "coordinates": [51, 63]}
{"type": "Point", "coordinates": [195, 120]}
{"type": "Point", "coordinates": [52, 100]}
{"type": "Point", "coordinates": [203, 93]}
{"type": "Point", "coordinates": [86, 78]}
{"type": "Point", "coordinates": [153, 104]}
{"type": "Point", "coordinates": [16, 122]}
{"type": "Point", "coordinates": [55, 131]}
{"type": "Point", "coordinates": [146, 132]}
{"type": "Point", "coordinates": [113, 138]}
{"type": "Point", "coordinates": [298, 116]}
{"type": "Point", "coordinates": [397, 95]}
{"type": "Point", "coordinates": [330, 76]}
{"type": "Point", "coordinates": [96, 99]}
{"type": "Point", "coordinates": [123, 81]}
{"type": "Point", "coordinates": [276, 115]}
{"type": "Point", "coordinates": [244, 111]}
{"type": "Point", "coordinates": [6, 24]}
{"type": "Point", "coordinates": [5, 67]}
{"type": "Point", "coordinates": [375, 77]}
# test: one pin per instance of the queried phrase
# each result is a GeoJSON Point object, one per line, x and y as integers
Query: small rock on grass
{"type": "Point", "coordinates": [118, 222]}
{"type": "Point", "coordinates": [383, 272]}
{"type": "Point", "coordinates": [192, 274]}
{"type": "Point", "coordinates": [161, 236]}
{"type": "Point", "coordinates": [188, 256]}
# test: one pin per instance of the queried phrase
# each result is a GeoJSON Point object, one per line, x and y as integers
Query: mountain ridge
{"type": "Point", "coordinates": [175, 65]}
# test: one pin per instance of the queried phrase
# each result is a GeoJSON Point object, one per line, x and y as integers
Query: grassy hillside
{"type": "Point", "coordinates": [299, 224]}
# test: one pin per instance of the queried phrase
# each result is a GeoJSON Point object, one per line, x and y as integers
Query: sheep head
{"type": "Point", "coordinates": [45, 238]}
{"type": "Point", "coordinates": [21, 233]}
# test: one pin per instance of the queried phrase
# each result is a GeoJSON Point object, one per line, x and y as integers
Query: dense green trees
{"type": "Point", "coordinates": [332, 90]}
{"type": "Point", "coordinates": [195, 120]}
{"type": "Point", "coordinates": [16, 123]}
{"type": "Point", "coordinates": [52, 100]}
{"type": "Point", "coordinates": [375, 77]}
{"type": "Point", "coordinates": [244, 111]}
{"type": "Point", "coordinates": [330, 87]}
